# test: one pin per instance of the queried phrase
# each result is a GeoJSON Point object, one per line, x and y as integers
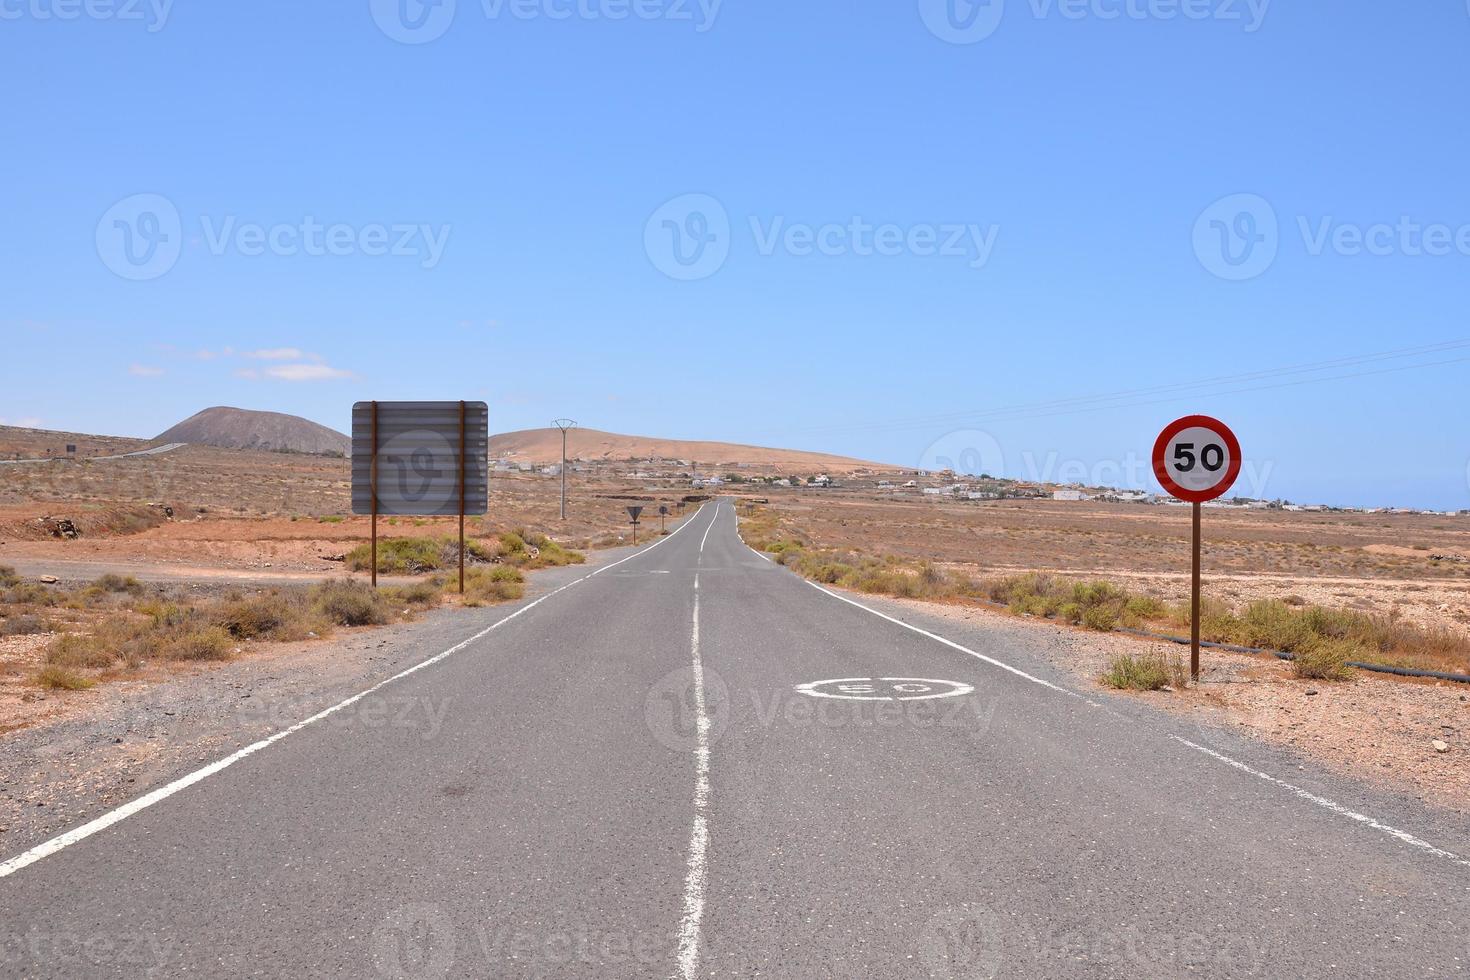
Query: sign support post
{"type": "Point", "coordinates": [375, 495]}
{"type": "Point", "coordinates": [462, 463]}
{"type": "Point", "coordinates": [1194, 600]}
{"type": "Point", "coordinates": [1196, 458]}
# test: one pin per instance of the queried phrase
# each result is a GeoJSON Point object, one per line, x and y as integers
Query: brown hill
{"type": "Point", "coordinates": [238, 428]}
{"type": "Point", "coordinates": [544, 446]}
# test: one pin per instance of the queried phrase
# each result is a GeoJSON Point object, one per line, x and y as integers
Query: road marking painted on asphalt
{"type": "Point", "coordinates": [77, 834]}
{"type": "Point", "coordinates": [710, 528]}
{"type": "Point", "coordinates": [695, 877]}
{"type": "Point", "coordinates": [902, 688]}
{"type": "Point", "coordinates": [1332, 805]}
{"type": "Point", "coordinates": [1321, 801]}
{"type": "Point", "coordinates": [951, 643]}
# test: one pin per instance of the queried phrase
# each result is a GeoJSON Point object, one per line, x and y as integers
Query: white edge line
{"type": "Point", "coordinates": [1321, 801]}
{"type": "Point", "coordinates": [951, 643]}
{"type": "Point", "coordinates": [121, 813]}
{"type": "Point", "coordinates": [1332, 805]}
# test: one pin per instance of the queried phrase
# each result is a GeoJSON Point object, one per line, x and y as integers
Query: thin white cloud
{"type": "Point", "coordinates": [145, 371]}
{"type": "Point", "coordinates": [31, 422]}
{"type": "Point", "coordinates": [282, 354]}
{"type": "Point", "coordinates": [306, 372]}
{"type": "Point", "coordinates": [249, 374]}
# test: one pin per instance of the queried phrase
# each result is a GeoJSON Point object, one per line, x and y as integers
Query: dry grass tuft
{"type": "Point", "coordinates": [489, 585]}
{"type": "Point", "coordinates": [56, 678]}
{"type": "Point", "coordinates": [1148, 672]}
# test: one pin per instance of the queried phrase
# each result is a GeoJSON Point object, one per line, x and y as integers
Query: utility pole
{"type": "Point", "coordinates": [564, 425]}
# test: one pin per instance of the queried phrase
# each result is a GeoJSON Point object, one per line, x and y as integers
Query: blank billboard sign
{"type": "Point", "coordinates": [419, 460]}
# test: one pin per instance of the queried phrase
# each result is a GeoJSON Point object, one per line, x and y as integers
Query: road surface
{"type": "Point", "coordinates": [635, 774]}
{"type": "Point", "coordinates": [154, 451]}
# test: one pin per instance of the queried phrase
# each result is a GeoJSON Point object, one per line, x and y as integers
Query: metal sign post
{"type": "Point", "coordinates": [375, 494]}
{"type": "Point", "coordinates": [425, 459]}
{"type": "Point", "coordinates": [633, 512]}
{"type": "Point", "coordinates": [1196, 458]}
{"type": "Point", "coordinates": [461, 496]}
{"type": "Point", "coordinates": [663, 512]}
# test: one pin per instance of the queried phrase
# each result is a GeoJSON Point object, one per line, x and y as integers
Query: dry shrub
{"type": "Point", "coordinates": [31, 594]}
{"type": "Point", "coordinates": [348, 603]}
{"type": "Point", "coordinates": [209, 643]}
{"type": "Point", "coordinates": [95, 650]}
{"type": "Point", "coordinates": [119, 583]}
{"type": "Point", "coordinates": [412, 556]}
{"type": "Point", "coordinates": [1326, 660]}
{"type": "Point", "coordinates": [422, 595]}
{"type": "Point", "coordinates": [275, 615]}
{"type": "Point", "coordinates": [23, 625]}
{"type": "Point", "coordinates": [56, 678]}
{"type": "Point", "coordinates": [1147, 672]}
{"type": "Point", "coordinates": [487, 585]}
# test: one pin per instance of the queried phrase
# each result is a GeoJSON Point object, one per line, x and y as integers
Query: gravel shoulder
{"type": "Point", "coordinates": [84, 752]}
{"type": "Point", "coordinates": [1372, 728]}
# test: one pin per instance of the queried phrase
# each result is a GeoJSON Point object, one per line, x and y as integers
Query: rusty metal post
{"type": "Point", "coordinates": [373, 482]}
{"type": "Point", "coordinates": [463, 461]}
{"type": "Point", "coordinates": [1194, 602]}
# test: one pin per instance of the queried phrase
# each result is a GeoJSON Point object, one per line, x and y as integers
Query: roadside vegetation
{"type": "Point", "coordinates": [114, 627]}
{"type": "Point", "coordinates": [412, 556]}
{"type": "Point", "coordinates": [1322, 640]}
{"type": "Point", "coordinates": [1146, 672]}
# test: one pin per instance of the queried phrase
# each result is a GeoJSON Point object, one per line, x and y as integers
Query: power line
{"type": "Point", "coordinates": [1124, 398]}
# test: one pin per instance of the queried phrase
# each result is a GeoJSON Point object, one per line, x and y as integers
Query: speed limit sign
{"type": "Point", "coordinates": [1197, 458]}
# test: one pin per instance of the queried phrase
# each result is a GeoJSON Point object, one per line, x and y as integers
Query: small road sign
{"type": "Point", "coordinates": [1197, 458]}
{"type": "Point", "coordinates": [633, 512]}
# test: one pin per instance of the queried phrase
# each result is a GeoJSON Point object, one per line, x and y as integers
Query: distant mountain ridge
{"type": "Point", "coordinates": [239, 428]}
{"type": "Point", "coordinates": [544, 446]}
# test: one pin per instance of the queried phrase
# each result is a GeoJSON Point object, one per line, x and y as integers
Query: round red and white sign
{"type": "Point", "coordinates": [1197, 458]}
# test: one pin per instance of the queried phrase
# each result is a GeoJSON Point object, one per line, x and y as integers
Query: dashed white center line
{"type": "Point", "coordinates": [695, 877]}
{"type": "Point", "coordinates": [710, 528]}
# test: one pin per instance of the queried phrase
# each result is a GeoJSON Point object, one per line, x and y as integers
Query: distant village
{"type": "Point", "coordinates": [943, 484]}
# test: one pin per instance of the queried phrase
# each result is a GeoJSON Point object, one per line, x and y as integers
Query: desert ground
{"type": "Point", "coordinates": [1374, 563]}
{"type": "Point", "coordinates": [221, 522]}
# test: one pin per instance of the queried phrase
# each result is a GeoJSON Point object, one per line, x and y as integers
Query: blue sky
{"type": "Point", "coordinates": [910, 212]}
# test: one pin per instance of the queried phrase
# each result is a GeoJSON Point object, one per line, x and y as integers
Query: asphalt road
{"type": "Point", "coordinates": [632, 777]}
